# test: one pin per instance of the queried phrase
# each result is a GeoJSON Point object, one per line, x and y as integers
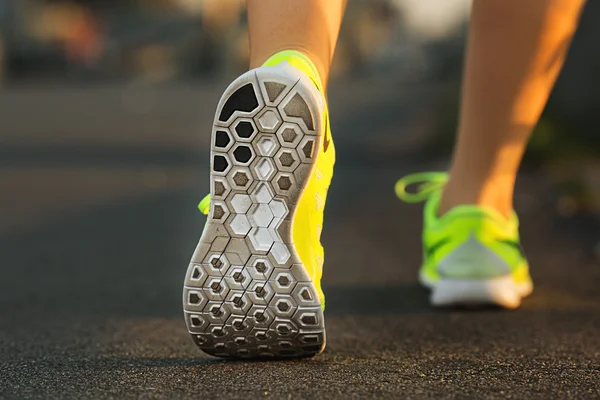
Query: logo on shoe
{"type": "Point", "coordinates": [326, 140]}
{"type": "Point", "coordinates": [515, 245]}
{"type": "Point", "coordinates": [432, 249]}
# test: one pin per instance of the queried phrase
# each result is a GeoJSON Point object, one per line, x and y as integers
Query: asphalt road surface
{"type": "Point", "coordinates": [98, 188]}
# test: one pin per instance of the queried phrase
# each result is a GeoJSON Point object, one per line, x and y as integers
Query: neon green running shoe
{"type": "Point", "coordinates": [471, 255]}
{"type": "Point", "coordinates": [252, 288]}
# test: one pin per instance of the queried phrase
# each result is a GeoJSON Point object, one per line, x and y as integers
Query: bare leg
{"type": "Point", "coordinates": [515, 52]}
{"type": "Point", "coordinates": [308, 26]}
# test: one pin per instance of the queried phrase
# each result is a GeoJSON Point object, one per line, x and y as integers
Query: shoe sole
{"type": "Point", "coordinates": [247, 293]}
{"type": "Point", "coordinates": [502, 291]}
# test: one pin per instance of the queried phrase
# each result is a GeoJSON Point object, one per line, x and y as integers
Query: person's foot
{"type": "Point", "coordinates": [471, 255]}
{"type": "Point", "coordinates": [252, 288]}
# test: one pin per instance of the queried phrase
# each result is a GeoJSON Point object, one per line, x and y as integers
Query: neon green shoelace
{"type": "Point", "coordinates": [428, 183]}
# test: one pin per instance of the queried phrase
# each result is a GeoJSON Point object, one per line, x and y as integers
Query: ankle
{"type": "Point", "coordinates": [495, 194]}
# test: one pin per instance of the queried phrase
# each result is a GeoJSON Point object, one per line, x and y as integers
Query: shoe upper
{"type": "Point", "coordinates": [308, 219]}
{"type": "Point", "coordinates": [468, 242]}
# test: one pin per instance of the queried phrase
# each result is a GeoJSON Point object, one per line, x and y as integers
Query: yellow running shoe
{"type": "Point", "coordinates": [253, 288]}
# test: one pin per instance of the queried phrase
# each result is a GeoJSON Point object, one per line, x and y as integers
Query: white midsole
{"type": "Point", "coordinates": [502, 291]}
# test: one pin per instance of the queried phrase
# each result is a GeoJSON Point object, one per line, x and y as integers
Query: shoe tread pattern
{"type": "Point", "coordinates": [246, 293]}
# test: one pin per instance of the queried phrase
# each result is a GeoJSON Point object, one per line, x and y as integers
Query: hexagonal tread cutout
{"type": "Point", "coordinates": [284, 183]}
{"type": "Point", "coordinates": [242, 154]}
{"type": "Point", "coordinates": [216, 263]}
{"type": "Point", "coordinates": [306, 294]}
{"type": "Point", "coordinates": [197, 272]}
{"type": "Point", "coordinates": [219, 188]}
{"type": "Point", "coordinates": [309, 339]}
{"type": "Point", "coordinates": [260, 316]}
{"type": "Point", "coordinates": [244, 129]}
{"type": "Point", "coordinates": [278, 208]}
{"type": "Point", "coordinates": [264, 169]}
{"type": "Point", "coordinates": [216, 287]}
{"type": "Point", "coordinates": [266, 146]}
{"type": "Point", "coordinates": [218, 331]}
{"type": "Point", "coordinates": [307, 149]}
{"type": "Point", "coordinates": [287, 159]}
{"type": "Point", "coordinates": [222, 139]}
{"type": "Point", "coordinates": [262, 194]}
{"type": "Point", "coordinates": [261, 239]}
{"type": "Point", "coordinates": [238, 301]}
{"type": "Point", "coordinates": [283, 305]}
{"type": "Point", "coordinates": [284, 280]}
{"type": "Point", "coordinates": [237, 279]}
{"type": "Point", "coordinates": [280, 253]}
{"type": "Point", "coordinates": [240, 224]}
{"type": "Point", "coordinates": [241, 179]}
{"type": "Point", "coordinates": [269, 120]}
{"type": "Point", "coordinates": [196, 321]}
{"type": "Point", "coordinates": [220, 163]}
{"type": "Point", "coordinates": [241, 203]}
{"type": "Point", "coordinates": [285, 328]}
{"type": "Point", "coordinates": [238, 276]}
{"type": "Point", "coordinates": [238, 324]}
{"type": "Point", "coordinates": [261, 215]}
{"type": "Point", "coordinates": [261, 266]}
{"type": "Point", "coordinates": [261, 292]}
{"type": "Point", "coordinates": [289, 135]}
{"type": "Point", "coordinates": [309, 319]}
{"type": "Point", "coordinates": [194, 298]}
{"type": "Point", "coordinates": [216, 311]}
{"type": "Point", "coordinates": [218, 212]}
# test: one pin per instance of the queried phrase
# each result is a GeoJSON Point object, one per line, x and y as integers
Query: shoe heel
{"type": "Point", "coordinates": [246, 291]}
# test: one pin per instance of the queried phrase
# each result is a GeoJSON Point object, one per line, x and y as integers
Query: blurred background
{"type": "Point", "coordinates": [105, 116]}
{"type": "Point", "coordinates": [135, 51]}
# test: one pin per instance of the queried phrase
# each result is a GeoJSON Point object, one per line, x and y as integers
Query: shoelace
{"type": "Point", "coordinates": [428, 183]}
{"type": "Point", "coordinates": [204, 205]}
